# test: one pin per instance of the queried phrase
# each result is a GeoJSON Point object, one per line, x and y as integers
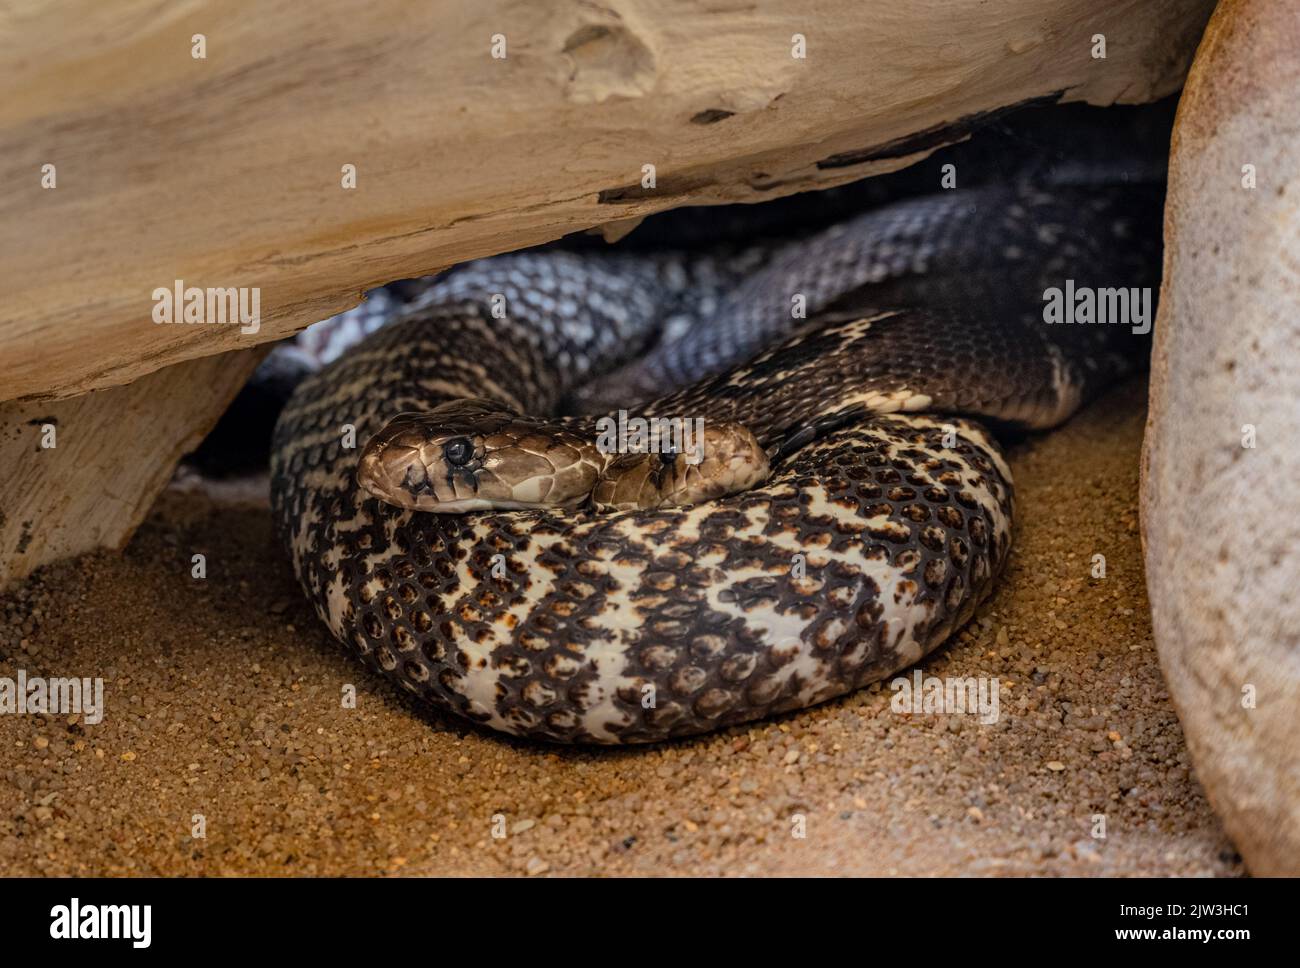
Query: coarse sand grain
{"type": "Point", "coordinates": [226, 747]}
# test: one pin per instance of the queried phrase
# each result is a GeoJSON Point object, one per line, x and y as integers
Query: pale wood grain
{"type": "Point", "coordinates": [115, 449]}
{"type": "Point", "coordinates": [226, 171]}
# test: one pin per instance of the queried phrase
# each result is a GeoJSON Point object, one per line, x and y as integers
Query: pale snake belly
{"type": "Point", "coordinates": [885, 520]}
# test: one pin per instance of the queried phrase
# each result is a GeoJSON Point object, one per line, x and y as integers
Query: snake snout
{"type": "Point", "coordinates": [391, 473]}
{"type": "Point", "coordinates": [397, 464]}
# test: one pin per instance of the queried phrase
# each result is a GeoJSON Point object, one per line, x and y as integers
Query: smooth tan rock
{"type": "Point", "coordinates": [1221, 521]}
{"type": "Point", "coordinates": [227, 170]}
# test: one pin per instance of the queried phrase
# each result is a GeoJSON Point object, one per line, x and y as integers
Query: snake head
{"type": "Point", "coordinates": [476, 455]}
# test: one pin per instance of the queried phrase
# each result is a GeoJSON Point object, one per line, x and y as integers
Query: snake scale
{"type": "Point", "coordinates": [884, 522]}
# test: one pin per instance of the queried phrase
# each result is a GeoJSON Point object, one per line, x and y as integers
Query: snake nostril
{"type": "Point", "coordinates": [415, 476]}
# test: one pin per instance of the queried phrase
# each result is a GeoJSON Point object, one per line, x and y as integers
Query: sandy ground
{"type": "Point", "coordinates": [223, 700]}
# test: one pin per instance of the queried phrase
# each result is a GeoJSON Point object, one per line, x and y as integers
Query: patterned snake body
{"type": "Point", "coordinates": [884, 522]}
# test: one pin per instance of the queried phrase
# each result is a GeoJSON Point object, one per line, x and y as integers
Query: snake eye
{"type": "Point", "coordinates": [458, 451]}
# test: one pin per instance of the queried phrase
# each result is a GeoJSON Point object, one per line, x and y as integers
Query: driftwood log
{"type": "Point", "coordinates": [309, 152]}
{"type": "Point", "coordinates": [80, 474]}
{"type": "Point", "coordinates": [227, 170]}
{"type": "Point", "coordinates": [1220, 499]}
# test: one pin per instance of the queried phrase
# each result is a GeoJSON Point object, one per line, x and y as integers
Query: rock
{"type": "Point", "coordinates": [1220, 492]}
{"type": "Point", "coordinates": [536, 866]}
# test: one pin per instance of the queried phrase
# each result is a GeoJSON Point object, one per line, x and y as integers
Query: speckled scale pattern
{"type": "Point", "coordinates": [997, 247]}
{"type": "Point", "coordinates": [686, 288]}
{"type": "Point", "coordinates": [878, 534]}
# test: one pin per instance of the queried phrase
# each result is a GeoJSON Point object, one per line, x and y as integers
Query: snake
{"type": "Point", "coordinates": [452, 514]}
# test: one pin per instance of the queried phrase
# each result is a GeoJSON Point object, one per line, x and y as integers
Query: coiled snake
{"type": "Point", "coordinates": [883, 521]}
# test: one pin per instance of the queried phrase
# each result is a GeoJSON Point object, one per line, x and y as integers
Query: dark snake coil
{"type": "Point", "coordinates": [884, 524]}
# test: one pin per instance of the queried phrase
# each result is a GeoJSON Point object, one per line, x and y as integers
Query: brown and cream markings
{"type": "Point", "coordinates": [843, 517]}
